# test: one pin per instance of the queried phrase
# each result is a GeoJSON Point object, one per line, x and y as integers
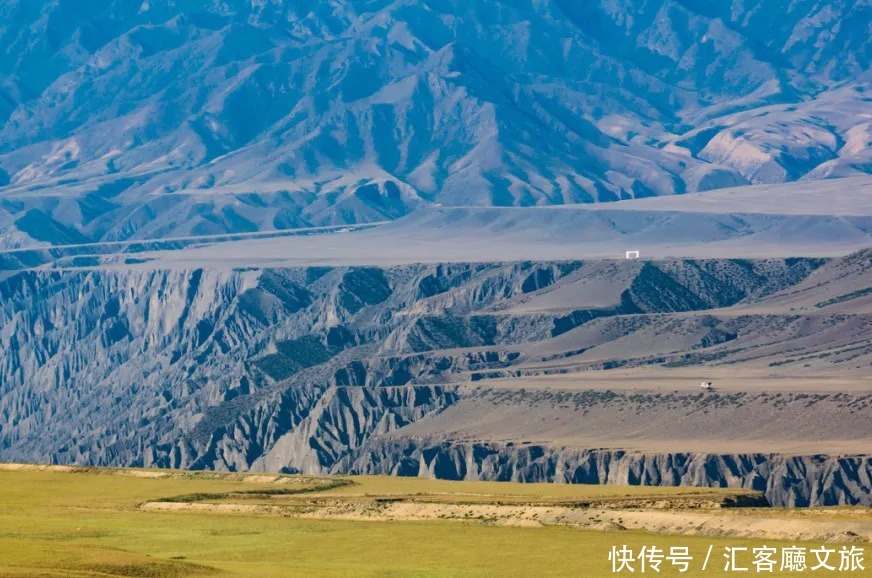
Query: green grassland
{"type": "Point", "coordinates": [387, 485]}
{"type": "Point", "coordinates": [427, 490]}
{"type": "Point", "coordinates": [88, 523]}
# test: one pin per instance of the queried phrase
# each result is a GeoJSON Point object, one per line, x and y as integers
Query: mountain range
{"type": "Point", "coordinates": [165, 118]}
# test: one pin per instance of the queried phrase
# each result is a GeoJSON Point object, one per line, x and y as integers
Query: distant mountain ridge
{"type": "Point", "coordinates": [154, 119]}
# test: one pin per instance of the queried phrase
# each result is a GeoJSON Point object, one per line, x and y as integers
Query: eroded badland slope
{"type": "Point", "coordinates": [583, 371]}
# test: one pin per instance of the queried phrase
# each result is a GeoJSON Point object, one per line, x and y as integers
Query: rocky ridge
{"type": "Point", "coordinates": [324, 369]}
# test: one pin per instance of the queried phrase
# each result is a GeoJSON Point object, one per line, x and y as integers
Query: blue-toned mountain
{"type": "Point", "coordinates": [168, 118]}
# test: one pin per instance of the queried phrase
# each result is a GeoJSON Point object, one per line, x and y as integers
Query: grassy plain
{"type": "Point", "coordinates": [56, 523]}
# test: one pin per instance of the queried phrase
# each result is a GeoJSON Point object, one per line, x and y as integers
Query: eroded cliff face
{"type": "Point", "coordinates": [324, 369]}
{"type": "Point", "coordinates": [785, 480]}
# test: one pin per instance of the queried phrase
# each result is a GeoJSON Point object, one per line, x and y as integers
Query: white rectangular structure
{"type": "Point", "coordinates": [632, 254]}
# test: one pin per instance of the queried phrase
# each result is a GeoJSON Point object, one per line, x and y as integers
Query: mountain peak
{"type": "Point", "coordinates": [149, 113]}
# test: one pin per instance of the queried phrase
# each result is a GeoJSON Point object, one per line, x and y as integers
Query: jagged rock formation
{"type": "Point", "coordinates": [784, 480]}
{"type": "Point", "coordinates": [330, 369]}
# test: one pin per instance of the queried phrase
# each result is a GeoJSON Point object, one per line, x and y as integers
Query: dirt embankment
{"type": "Point", "coordinates": [711, 521]}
